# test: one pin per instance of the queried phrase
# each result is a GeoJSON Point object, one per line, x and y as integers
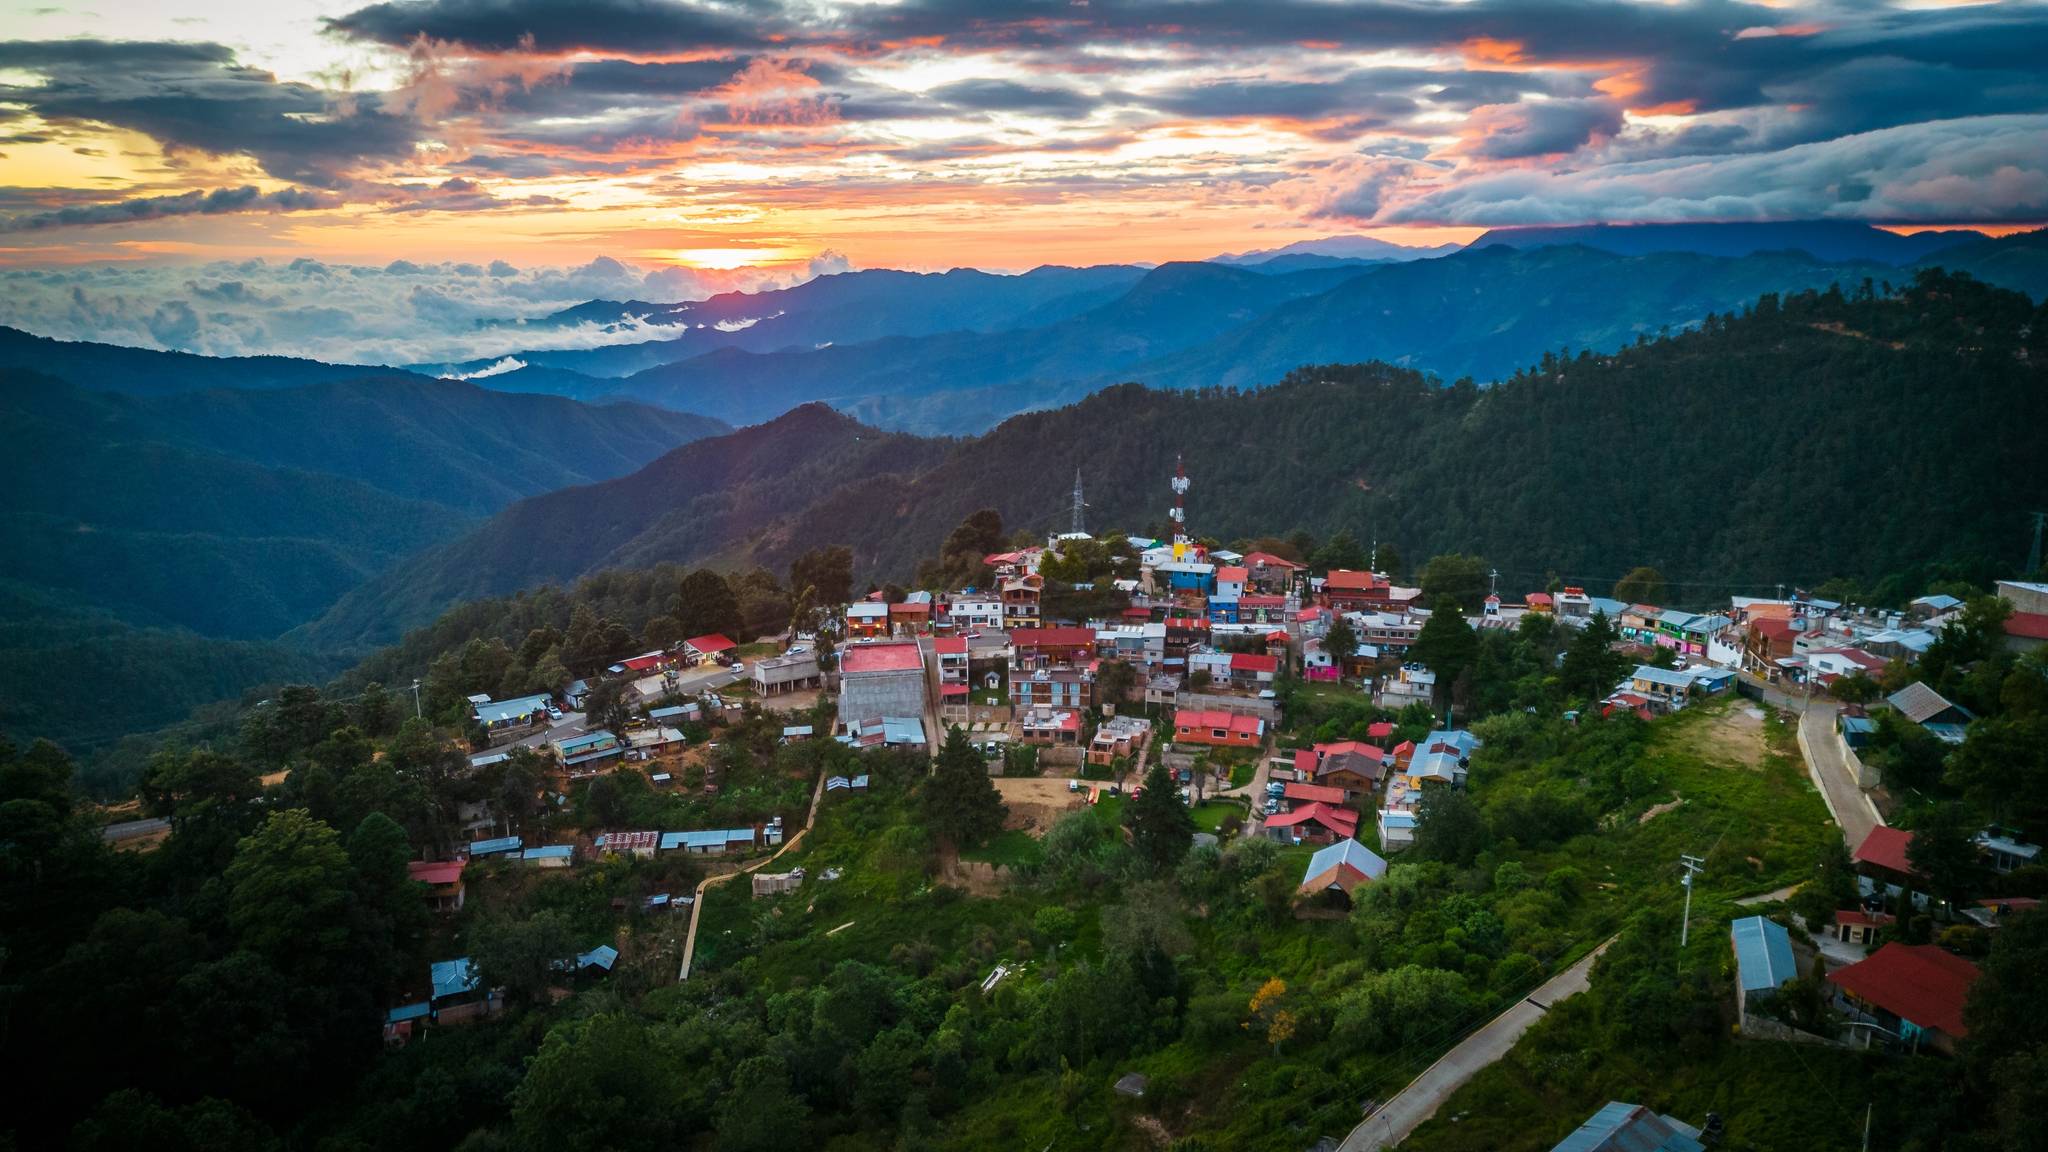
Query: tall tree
{"type": "Point", "coordinates": [388, 917]}
{"type": "Point", "coordinates": [1591, 665]}
{"type": "Point", "coordinates": [1339, 551]}
{"type": "Point", "coordinates": [1162, 828]}
{"type": "Point", "coordinates": [961, 804]}
{"type": "Point", "coordinates": [826, 572]}
{"type": "Point", "coordinates": [1447, 645]}
{"type": "Point", "coordinates": [708, 605]}
{"type": "Point", "coordinates": [288, 893]}
{"type": "Point", "coordinates": [1341, 642]}
{"type": "Point", "coordinates": [1942, 852]}
{"type": "Point", "coordinates": [1642, 585]}
{"type": "Point", "coordinates": [520, 955]}
{"type": "Point", "coordinates": [1454, 579]}
{"type": "Point", "coordinates": [1448, 827]}
{"type": "Point", "coordinates": [759, 1112]}
{"type": "Point", "coordinates": [1114, 680]}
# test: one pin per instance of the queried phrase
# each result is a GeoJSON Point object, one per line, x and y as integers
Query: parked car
{"type": "Point", "coordinates": [1272, 806]}
{"type": "Point", "coordinates": [1275, 788]}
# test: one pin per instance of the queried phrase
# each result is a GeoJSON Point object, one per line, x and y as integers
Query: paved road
{"type": "Point", "coordinates": [1416, 1103]}
{"type": "Point", "coordinates": [1854, 814]}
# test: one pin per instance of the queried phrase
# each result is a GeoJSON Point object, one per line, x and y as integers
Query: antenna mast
{"type": "Point", "coordinates": [1079, 504]}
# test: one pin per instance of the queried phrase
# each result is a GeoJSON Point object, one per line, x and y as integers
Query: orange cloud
{"type": "Point", "coordinates": [1487, 50]}
{"type": "Point", "coordinates": [775, 93]}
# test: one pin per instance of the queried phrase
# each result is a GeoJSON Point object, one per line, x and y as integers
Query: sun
{"type": "Point", "coordinates": [729, 259]}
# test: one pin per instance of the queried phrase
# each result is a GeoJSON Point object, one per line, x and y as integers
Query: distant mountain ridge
{"type": "Point", "coordinates": [1827, 240]}
{"type": "Point", "coordinates": [1677, 453]}
{"type": "Point", "coordinates": [1481, 312]}
{"type": "Point", "coordinates": [1340, 247]}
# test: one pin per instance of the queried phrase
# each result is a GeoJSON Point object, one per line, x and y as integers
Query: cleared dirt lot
{"type": "Point", "coordinates": [1036, 802]}
{"type": "Point", "coordinates": [1736, 735]}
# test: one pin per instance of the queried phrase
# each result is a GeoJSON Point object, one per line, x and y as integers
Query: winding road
{"type": "Point", "coordinates": [704, 885]}
{"type": "Point", "coordinates": [1393, 1121]}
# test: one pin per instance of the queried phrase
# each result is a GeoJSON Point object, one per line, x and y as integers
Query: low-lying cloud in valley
{"type": "Point", "coordinates": [401, 313]}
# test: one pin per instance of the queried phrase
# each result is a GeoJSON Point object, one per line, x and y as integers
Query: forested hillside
{"type": "Point", "coordinates": [142, 531]}
{"type": "Point", "coordinates": [1815, 436]}
{"type": "Point", "coordinates": [728, 497]}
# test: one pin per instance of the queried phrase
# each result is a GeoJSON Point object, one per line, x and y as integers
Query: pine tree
{"type": "Point", "coordinates": [1162, 828]}
{"type": "Point", "coordinates": [961, 804]}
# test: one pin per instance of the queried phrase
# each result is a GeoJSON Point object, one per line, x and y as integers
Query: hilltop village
{"type": "Point", "coordinates": [1084, 714]}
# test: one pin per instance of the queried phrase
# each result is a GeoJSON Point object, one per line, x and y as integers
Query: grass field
{"type": "Point", "coordinates": [1209, 815]}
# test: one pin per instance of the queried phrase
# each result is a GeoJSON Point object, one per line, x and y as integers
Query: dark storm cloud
{"type": "Point", "coordinates": [631, 26]}
{"type": "Point", "coordinates": [217, 202]}
{"type": "Point", "coordinates": [195, 96]}
{"type": "Point", "coordinates": [1545, 128]}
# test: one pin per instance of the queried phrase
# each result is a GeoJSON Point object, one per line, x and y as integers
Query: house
{"type": "Point", "coordinates": [1118, 736]}
{"type": "Point", "coordinates": [549, 856]}
{"type": "Point", "coordinates": [1052, 688]}
{"type": "Point", "coordinates": [1397, 828]}
{"type": "Point", "coordinates": [1270, 573]}
{"type": "Point", "coordinates": [495, 847]}
{"type": "Point", "coordinates": [1052, 648]}
{"type": "Point", "coordinates": [715, 647]}
{"type": "Point", "coordinates": [797, 733]}
{"type": "Point", "coordinates": [1253, 670]}
{"type": "Point", "coordinates": [677, 713]}
{"type": "Point", "coordinates": [2026, 631]}
{"type": "Point", "coordinates": [502, 720]}
{"type": "Point", "coordinates": [2004, 853]}
{"type": "Point", "coordinates": [1573, 606]}
{"type": "Point", "coordinates": [776, 883]}
{"type": "Point", "coordinates": [1929, 607]}
{"type": "Point", "coordinates": [600, 958]}
{"type": "Point", "coordinates": [645, 662]}
{"type": "Point", "coordinates": [2026, 596]}
{"type": "Point", "coordinates": [1230, 582]}
{"type": "Point", "coordinates": [1347, 591]}
{"type": "Point", "coordinates": [1297, 792]}
{"type": "Point", "coordinates": [1345, 865]}
{"type": "Point", "coordinates": [1218, 728]}
{"type": "Point", "coordinates": [1927, 708]}
{"type": "Point", "coordinates": [1317, 663]}
{"type": "Point", "coordinates": [789, 672]}
{"type": "Point", "coordinates": [1883, 858]}
{"type": "Point", "coordinates": [1828, 663]}
{"type": "Point", "coordinates": [970, 611]}
{"type": "Point", "coordinates": [1763, 962]}
{"type": "Point", "coordinates": [950, 653]}
{"type": "Point", "coordinates": [1347, 765]}
{"type": "Point", "coordinates": [1620, 1127]}
{"type": "Point", "coordinates": [1914, 993]}
{"type": "Point", "coordinates": [1667, 687]}
{"type": "Point", "coordinates": [1020, 600]}
{"type": "Point", "coordinates": [640, 844]}
{"type": "Point", "coordinates": [584, 755]}
{"type": "Point", "coordinates": [1312, 823]}
{"type": "Point", "coordinates": [714, 842]}
{"type": "Point", "coordinates": [867, 620]}
{"type": "Point", "coordinates": [884, 732]}
{"type": "Point", "coordinates": [1855, 926]}
{"type": "Point", "coordinates": [1539, 602]}
{"type": "Point", "coordinates": [912, 617]}
{"type": "Point", "coordinates": [443, 879]}
{"type": "Point", "coordinates": [1041, 725]}
{"type": "Point", "coordinates": [881, 678]}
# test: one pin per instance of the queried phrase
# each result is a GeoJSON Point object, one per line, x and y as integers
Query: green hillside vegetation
{"type": "Point", "coordinates": [142, 529]}
{"type": "Point", "coordinates": [1821, 435]}
{"type": "Point", "coordinates": [850, 1013]}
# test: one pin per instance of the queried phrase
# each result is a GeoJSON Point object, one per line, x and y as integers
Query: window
{"type": "Point", "coordinates": [1218, 734]}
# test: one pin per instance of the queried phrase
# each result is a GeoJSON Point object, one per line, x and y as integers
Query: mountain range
{"type": "Point", "coordinates": [1480, 312]}
{"type": "Point", "coordinates": [1816, 435]}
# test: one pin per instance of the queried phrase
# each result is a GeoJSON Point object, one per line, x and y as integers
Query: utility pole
{"type": "Point", "coordinates": [1693, 866]}
{"type": "Point", "coordinates": [416, 713]}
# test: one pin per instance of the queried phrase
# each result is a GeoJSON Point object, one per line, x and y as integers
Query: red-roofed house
{"type": "Point", "coordinates": [1351, 767]}
{"type": "Point", "coordinates": [1312, 823]}
{"type": "Point", "coordinates": [443, 879]}
{"type": "Point", "coordinates": [1270, 573]}
{"type": "Point", "coordinates": [1316, 793]}
{"type": "Point", "coordinates": [1052, 648]}
{"type": "Point", "coordinates": [1251, 670]}
{"type": "Point", "coordinates": [716, 646]}
{"type": "Point", "coordinates": [1539, 602]}
{"type": "Point", "coordinates": [910, 618]}
{"type": "Point", "coordinates": [1855, 926]}
{"type": "Point", "coordinates": [1914, 991]}
{"type": "Point", "coordinates": [1218, 728]}
{"type": "Point", "coordinates": [1883, 856]}
{"type": "Point", "coordinates": [644, 663]}
{"type": "Point", "coordinates": [1380, 729]}
{"type": "Point", "coordinates": [1347, 591]}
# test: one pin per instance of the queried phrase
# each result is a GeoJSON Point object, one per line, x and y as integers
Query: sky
{"type": "Point", "coordinates": [694, 145]}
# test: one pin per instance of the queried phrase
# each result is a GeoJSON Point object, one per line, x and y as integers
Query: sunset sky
{"type": "Point", "coordinates": [788, 137]}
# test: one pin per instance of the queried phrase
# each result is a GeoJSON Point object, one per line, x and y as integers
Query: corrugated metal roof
{"type": "Point", "coordinates": [1620, 1127]}
{"type": "Point", "coordinates": [1763, 954]}
{"type": "Point", "coordinates": [453, 977]}
{"type": "Point", "coordinates": [492, 847]}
